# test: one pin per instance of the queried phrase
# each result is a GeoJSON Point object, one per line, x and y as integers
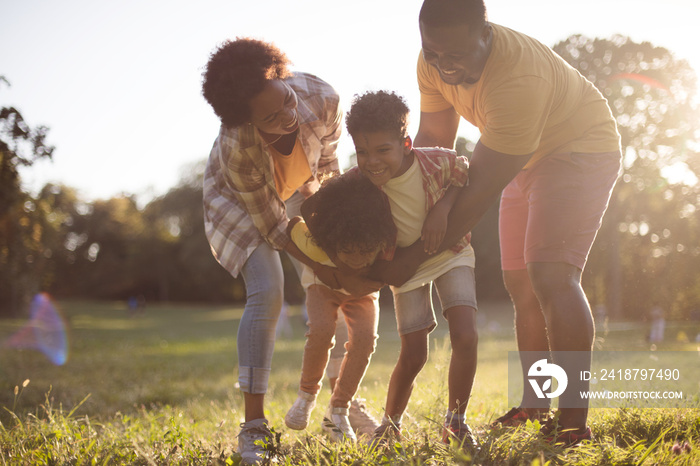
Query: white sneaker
{"type": "Point", "coordinates": [337, 424]}
{"type": "Point", "coordinates": [363, 423]}
{"type": "Point", "coordinates": [251, 432]}
{"type": "Point", "coordinates": [298, 416]}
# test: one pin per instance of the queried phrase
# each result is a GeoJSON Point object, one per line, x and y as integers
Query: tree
{"type": "Point", "coordinates": [648, 247]}
{"type": "Point", "coordinates": [178, 264]}
{"type": "Point", "coordinates": [20, 229]}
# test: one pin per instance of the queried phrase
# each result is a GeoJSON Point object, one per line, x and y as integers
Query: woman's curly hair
{"type": "Point", "coordinates": [378, 111]}
{"type": "Point", "coordinates": [236, 72]}
{"type": "Point", "coordinates": [351, 214]}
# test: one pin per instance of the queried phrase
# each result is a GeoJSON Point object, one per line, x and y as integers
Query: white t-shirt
{"type": "Point", "coordinates": [408, 203]}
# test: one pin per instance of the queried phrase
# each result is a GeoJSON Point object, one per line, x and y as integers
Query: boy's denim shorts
{"type": "Point", "coordinates": [414, 310]}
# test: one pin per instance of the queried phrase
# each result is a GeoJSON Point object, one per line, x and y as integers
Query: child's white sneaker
{"type": "Point", "coordinates": [337, 424]}
{"type": "Point", "coordinates": [298, 416]}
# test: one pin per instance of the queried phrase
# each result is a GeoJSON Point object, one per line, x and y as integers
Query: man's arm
{"type": "Point", "coordinates": [489, 172]}
{"type": "Point", "coordinates": [437, 129]}
{"type": "Point", "coordinates": [435, 224]}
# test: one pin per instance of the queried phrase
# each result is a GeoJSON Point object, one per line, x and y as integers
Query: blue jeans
{"type": "Point", "coordinates": [264, 283]}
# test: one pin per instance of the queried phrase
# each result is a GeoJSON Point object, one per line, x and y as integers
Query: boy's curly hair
{"type": "Point", "coordinates": [378, 111]}
{"type": "Point", "coordinates": [236, 72]}
{"type": "Point", "coordinates": [351, 214]}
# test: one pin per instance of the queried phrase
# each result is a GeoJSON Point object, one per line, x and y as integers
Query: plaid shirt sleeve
{"type": "Point", "coordinates": [328, 163]}
{"type": "Point", "coordinates": [442, 168]}
{"type": "Point", "coordinates": [229, 222]}
{"type": "Point", "coordinates": [255, 191]}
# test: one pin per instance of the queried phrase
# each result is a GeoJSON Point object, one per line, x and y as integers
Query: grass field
{"type": "Point", "coordinates": [159, 388]}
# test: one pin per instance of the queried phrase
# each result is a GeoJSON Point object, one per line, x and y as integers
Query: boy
{"type": "Point", "coordinates": [421, 185]}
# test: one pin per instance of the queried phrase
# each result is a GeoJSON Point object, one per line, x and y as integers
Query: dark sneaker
{"type": "Point", "coordinates": [555, 435]}
{"type": "Point", "coordinates": [516, 417]}
{"type": "Point", "coordinates": [513, 418]}
{"type": "Point", "coordinates": [460, 433]}
{"type": "Point", "coordinates": [385, 434]}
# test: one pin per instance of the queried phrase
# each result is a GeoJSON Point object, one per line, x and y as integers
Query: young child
{"type": "Point", "coordinates": [421, 185]}
{"type": "Point", "coordinates": [347, 225]}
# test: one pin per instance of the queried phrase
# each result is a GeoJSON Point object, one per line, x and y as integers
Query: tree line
{"type": "Point", "coordinates": [647, 251]}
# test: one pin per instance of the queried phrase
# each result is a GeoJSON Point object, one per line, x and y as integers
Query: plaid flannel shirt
{"type": "Point", "coordinates": [442, 168]}
{"type": "Point", "coordinates": [241, 205]}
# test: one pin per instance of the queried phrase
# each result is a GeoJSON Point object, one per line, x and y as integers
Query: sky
{"type": "Point", "coordinates": [119, 82]}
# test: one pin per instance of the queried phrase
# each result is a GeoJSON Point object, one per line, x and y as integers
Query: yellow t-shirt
{"type": "Point", "coordinates": [301, 236]}
{"type": "Point", "coordinates": [291, 171]}
{"type": "Point", "coordinates": [527, 100]}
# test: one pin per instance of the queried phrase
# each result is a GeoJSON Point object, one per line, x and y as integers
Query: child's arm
{"type": "Point", "coordinates": [435, 224]}
{"type": "Point", "coordinates": [305, 251]}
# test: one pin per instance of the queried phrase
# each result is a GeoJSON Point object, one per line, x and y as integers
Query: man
{"type": "Point", "coordinates": [550, 143]}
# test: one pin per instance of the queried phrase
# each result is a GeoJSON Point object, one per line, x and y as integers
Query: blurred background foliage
{"type": "Point", "coordinates": [647, 251]}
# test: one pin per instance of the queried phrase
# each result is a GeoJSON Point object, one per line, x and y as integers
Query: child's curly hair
{"type": "Point", "coordinates": [351, 214]}
{"type": "Point", "coordinates": [378, 111]}
{"type": "Point", "coordinates": [236, 72]}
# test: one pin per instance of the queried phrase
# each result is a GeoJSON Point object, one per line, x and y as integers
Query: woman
{"type": "Point", "coordinates": [279, 134]}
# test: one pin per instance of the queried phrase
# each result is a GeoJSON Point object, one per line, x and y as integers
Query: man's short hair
{"type": "Point", "coordinates": [453, 12]}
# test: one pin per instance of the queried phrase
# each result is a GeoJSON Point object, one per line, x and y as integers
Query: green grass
{"type": "Point", "coordinates": [159, 388]}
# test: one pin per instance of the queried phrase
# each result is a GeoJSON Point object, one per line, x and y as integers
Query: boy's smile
{"type": "Point", "coordinates": [382, 156]}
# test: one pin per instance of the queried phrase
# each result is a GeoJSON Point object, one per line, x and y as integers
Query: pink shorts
{"type": "Point", "coordinates": [552, 211]}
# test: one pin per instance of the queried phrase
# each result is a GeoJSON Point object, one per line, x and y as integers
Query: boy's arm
{"type": "Point", "coordinates": [435, 224]}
